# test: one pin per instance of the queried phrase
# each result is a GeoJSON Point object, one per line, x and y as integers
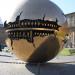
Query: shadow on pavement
{"type": "Point", "coordinates": [51, 69]}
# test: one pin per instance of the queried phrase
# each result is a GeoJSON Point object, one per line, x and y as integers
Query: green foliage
{"type": "Point", "coordinates": [67, 52]}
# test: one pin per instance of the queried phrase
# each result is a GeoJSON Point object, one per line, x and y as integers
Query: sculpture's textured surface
{"type": "Point", "coordinates": [36, 31]}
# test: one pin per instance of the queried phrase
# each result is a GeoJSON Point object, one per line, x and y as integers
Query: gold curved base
{"type": "Point", "coordinates": [42, 50]}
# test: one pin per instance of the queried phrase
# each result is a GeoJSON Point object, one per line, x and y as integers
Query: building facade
{"type": "Point", "coordinates": [71, 26]}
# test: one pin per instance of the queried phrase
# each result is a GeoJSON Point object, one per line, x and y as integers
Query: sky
{"type": "Point", "coordinates": [7, 7]}
{"type": "Point", "coordinates": [67, 6]}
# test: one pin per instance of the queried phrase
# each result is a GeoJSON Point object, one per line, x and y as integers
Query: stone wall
{"type": "Point", "coordinates": [3, 35]}
{"type": "Point", "coordinates": [71, 26]}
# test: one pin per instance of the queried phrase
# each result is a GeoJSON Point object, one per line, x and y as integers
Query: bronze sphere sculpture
{"type": "Point", "coordinates": [36, 31]}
